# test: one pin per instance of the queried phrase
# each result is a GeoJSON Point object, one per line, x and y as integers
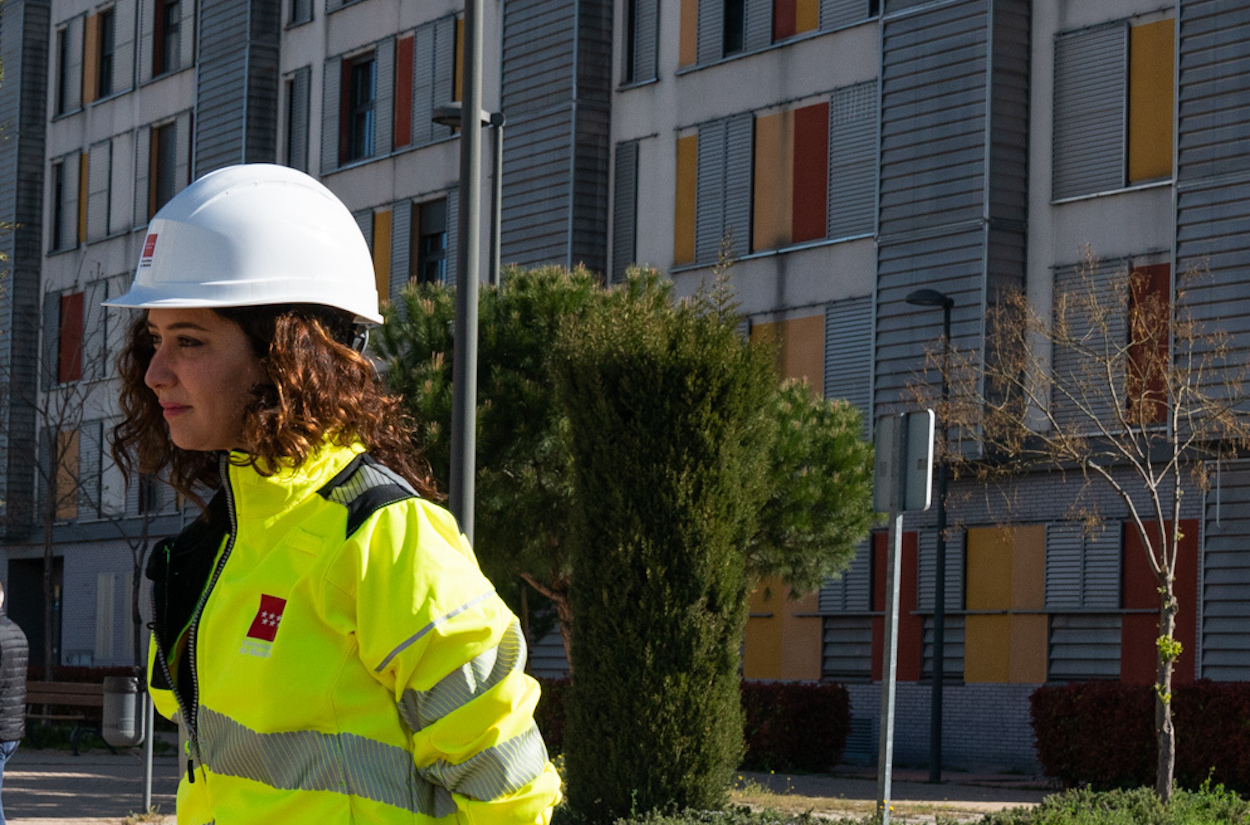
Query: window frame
{"type": "Point", "coordinates": [358, 119]}
{"type": "Point", "coordinates": [106, 21]}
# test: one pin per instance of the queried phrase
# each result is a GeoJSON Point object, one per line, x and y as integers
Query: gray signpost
{"type": "Point", "coordinates": [903, 481]}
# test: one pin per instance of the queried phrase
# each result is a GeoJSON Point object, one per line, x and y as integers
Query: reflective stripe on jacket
{"type": "Point", "coordinates": [334, 654]}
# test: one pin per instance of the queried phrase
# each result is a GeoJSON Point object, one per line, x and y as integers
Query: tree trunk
{"type": "Point", "coordinates": [47, 586]}
{"type": "Point", "coordinates": [1166, 767]}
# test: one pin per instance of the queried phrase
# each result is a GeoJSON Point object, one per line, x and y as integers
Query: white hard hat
{"type": "Point", "coordinates": [254, 234]}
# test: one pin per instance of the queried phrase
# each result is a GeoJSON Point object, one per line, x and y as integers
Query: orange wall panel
{"type": "Point", "coordinates": [1027, 649]}
{"type": "Point", "coordinates": [802, 642]}
{"type": "Point", "coordinates": [382, 253]}
{"type": "Point", "coordinates": [1150, 101]}
{"type": "Point", "coordinates": [989, 566]}
{"type": "Point", "coordinates": [683, 217]}
{"type": "Point", "coordinates": [1028, 567]}
{"type": "Point", "coordinates": [688, 47]}
{"type": "Point", "coordinates": [987, 646]}
{"type": "Point", "coordinates": [761, 658]}
{"type": "Point", "coordinates": [91, 59]}
{"type": "Point", "coordinates": [771, 208]}
{"type": "Point", "coordinates": [806, 15]}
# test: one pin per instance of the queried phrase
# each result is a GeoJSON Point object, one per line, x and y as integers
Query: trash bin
{"type": "Point", "coordinates": [124, 699]}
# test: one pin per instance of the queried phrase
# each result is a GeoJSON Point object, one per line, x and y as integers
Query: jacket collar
{"type": "Point", "coordinates": [268, 497]}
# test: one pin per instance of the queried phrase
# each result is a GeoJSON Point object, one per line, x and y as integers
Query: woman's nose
{"type": "Point", "coordinates": [158, 374]}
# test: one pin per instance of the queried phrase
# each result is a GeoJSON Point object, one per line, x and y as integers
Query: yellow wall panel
{"type": "Point", "coordinates": [800, 346]}
{"type": "Point", "coordinates": [688, 47]}
{"type": "Point", "coordinates": [683, 217]}
{"type": "Point", "coordinates": [806, 15]}
{"type": "Point", "coordinates": [382, 253]}
{"type": "Point", "coordinates": [1027, 659]}
{"type": "Point", "coordinates": [987, 642]}
{"type": "Point", "coordinates": [1150, 101]}
{"type": "Point", "coordinates": [801, 638]}
{"type": "Point", "coordinates": [773, 207]}
{"type": "Point", "coordinates": [1028, 568]}
{"type": "Point", "coordinates": [91, 59]}
{"type": "Point", "coordinates": [761, 658]}
{"type": "Point", "coordinates": [989, 565]}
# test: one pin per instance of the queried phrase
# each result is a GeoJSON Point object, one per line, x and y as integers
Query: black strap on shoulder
{"type": "Point", "coordinates": [365, 486]}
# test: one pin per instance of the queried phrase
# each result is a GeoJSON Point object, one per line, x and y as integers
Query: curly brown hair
{"type": "Point", "coordinates": [320, 389]}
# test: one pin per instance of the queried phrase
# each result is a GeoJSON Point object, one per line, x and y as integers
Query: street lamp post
{"type": "Point", "coordinates": [449, 115]}
{"type": "Point", "coordinates": [933, 298]}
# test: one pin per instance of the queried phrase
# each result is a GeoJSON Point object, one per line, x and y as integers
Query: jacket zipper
{"type": "Point", "coordinates": [188, 710]}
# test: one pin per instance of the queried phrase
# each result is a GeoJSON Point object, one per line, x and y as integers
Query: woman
{"type": "Point", "coordinates": [322, 633]}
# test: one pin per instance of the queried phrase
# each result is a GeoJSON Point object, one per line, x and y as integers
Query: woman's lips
{"type": "Point", "coordinates": [173, 410]}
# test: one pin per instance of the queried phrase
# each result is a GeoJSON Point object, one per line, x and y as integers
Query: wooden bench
{"type": "Point", "coordinates": [48, 702]}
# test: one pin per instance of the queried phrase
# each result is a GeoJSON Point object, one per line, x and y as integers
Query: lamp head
{"type": "Point", "coordinates": [929, 298]}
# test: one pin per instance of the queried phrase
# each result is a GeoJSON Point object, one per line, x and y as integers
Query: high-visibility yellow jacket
{"type": "Point", "coordinates": [333, 654]}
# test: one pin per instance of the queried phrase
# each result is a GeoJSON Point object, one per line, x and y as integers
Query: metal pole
{"type": "Point", "coordinates": [497, 120]}
{"type": "Point", "coordinates": [889, 669]}
{"type": "Point", "coordinates": [464, 367]}
{"type": "Point", "coordinates": [149, 730]}
{"type": "Point", "coordinates": [939, 591]}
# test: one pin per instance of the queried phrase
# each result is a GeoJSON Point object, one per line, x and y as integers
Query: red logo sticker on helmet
{"type": "Point", "coordinates": [264, 629]}
{"type": "Point", "coordinates": [149, 249]}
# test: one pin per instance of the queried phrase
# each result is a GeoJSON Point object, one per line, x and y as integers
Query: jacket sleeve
{"type": "Point", "coordinates": [432, 629]}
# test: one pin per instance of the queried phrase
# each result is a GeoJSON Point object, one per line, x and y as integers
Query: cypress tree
{"type": "Point", "coordinates": [662, 511]}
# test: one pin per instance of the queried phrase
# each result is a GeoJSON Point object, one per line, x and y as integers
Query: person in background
{"type": "Point", "coordinates": [14, 654]}
{"type": "Point", "coordinates": [322, 632]}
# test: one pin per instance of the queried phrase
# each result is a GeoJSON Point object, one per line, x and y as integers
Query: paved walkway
{"type": "Point", "coordinates": [42, 787]}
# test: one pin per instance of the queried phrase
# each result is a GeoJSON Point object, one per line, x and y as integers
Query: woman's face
{"type": "Point", "coordinates": [202, 371]}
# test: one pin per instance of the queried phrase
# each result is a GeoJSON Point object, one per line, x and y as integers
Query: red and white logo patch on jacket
{"type": "Point", "coordinates": [260, 636]}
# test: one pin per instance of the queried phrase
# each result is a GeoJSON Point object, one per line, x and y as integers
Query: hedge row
{"type": "Point", "coordinates": [1101, 734]}
{"type": "Point", "coordinates": [788, 725]}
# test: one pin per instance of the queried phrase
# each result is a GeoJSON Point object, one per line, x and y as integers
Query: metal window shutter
{"type": "Point", "coordinates": [90, 452]}
{"type": "Point", "coordinates": [1225, 571]}
{"type": "Point", "coordinates": [124, 45]}
{"type": "Point", "coordinates": [852, 208]}
{"type": "Point", "coordinates": [624, 208]}
{"type": "Point", "coordinates": [301, 11]}
{"type": "Point", "coordinates": [1090, 110]}
{"type": "Point", "coordinates": [711, 35]}
{"type": "Point", "coordinates": [147, 38]}
{"type": "Point", "coordinates": [1073, 371]}
{"type": "Point", "coordinates": [709, 208]}
{"type": "Point", "coordinates": [1100, 585]}
{"type": "Point", "coordinates": [847, 648]}
{"type": "Point", "coordinates": [301, 82]}
{"type": "Point", "coordinates": [646, 39]}
{"type": "Point", "coordinates": [926, 569]}
{"type": "Point", "coordinates": [99, 173]}
{"type": "Point", "coordinates": [738, 158]}
{"type": "Point", "coordinates": [333, 73]}
{"type": "Point", "coordinates": [143, 161]}
{"type": "Point", "coordinates": [121, 198]}
{"type": "Point", "coordinates": [848, 354]}
{"type": "Point", "coordinates": [443, 71]}
{"type": "Point", "coordinates": [952, 648]}
{"type": "Point", "coordinates": [70, 167]}
{"type": "Point", "coordinates": [182, 151]}
{"type": "Point", "coordinates": [401, 246]}
{"type": "Point", "coordinates": [383, 96]}
{"type": "Point", "coordinates": [851, 591]}
{"type": "Point", "coordinates": [1064, 571]}
{"type": "Point", "coordinates": [453, 235]}
{"type": "Point", "coordinates": [51, 337]}
{"type": "Point", "coordinates": [759, 25]}
{"type": "Point", "coordinates": [186, 33]}
{"type": "Point", "coordinates": [74, 44]}
{"type": "Point", "coordinates": [112, 483]}
{"type": "Point", "coordinates": [364, 220]}
{"type": "Point", "coordinates": [835, 14]}
{"type": "Point", "coordinates": [95, 351]}
{"type": "Point", "coordinates": [1083, 646]}
{"type": "Point", "coordinates": [423, 85]}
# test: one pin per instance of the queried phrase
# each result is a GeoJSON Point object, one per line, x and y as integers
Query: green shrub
{"type": "Point", "coordinates": [662, 511]}
{"type": "Point", "coordinates": [550, 713]}
{"type": "Point", "coordinates": [1140, 806]}
{"type": "Point", "coordinates": [793, 726]}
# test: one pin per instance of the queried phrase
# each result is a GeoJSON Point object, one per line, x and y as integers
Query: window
{"type": "Point", "coordinates": [430, 222]}
{"type": "Point", "coordinates": [1113, 108]}
{"type": "Point", "coordinates": [166, 51]}
{"type": "Point", "coordinates": [733, 35]}
{"type": "Point", "coordinates": [301, 12]}
{"type": "Point", "coordinates": [162, 175]}
{"type": "Point", "coordinates": [105, 21]}
{"type": "Point", "coordinates": [62, 71]}
{"type": "Point", "coordinates": [149, 494]}
{"type": "Point", "coordinates": [58, 206]}
{"type": "Point", "coordinates": [631, 36]}
{"type": "Point", "coordinates": [359, 81]}
{"type": "Point", "coordinates": [640, 37]}
{"type": "Point", "coordinates": [297, 91]}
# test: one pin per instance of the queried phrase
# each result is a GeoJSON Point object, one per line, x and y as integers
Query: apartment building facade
{"type": "Point", "coordinates": [841, 153]}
